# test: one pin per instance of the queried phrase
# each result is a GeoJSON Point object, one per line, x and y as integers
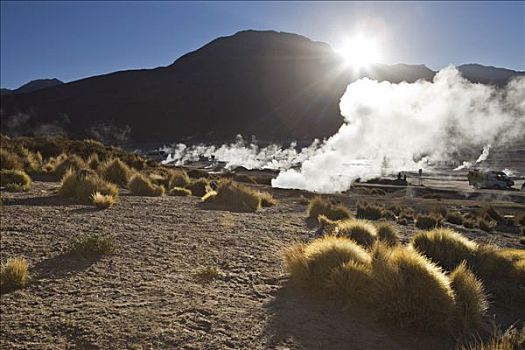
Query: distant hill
{"type": "Point", "coordinates": [273, 85]}
{"type": "Point", "coordinates": [33, 85]}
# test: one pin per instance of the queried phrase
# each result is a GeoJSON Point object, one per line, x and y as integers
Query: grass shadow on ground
{"type": "Point", "coordinates": [299, 317]}
{"type": "Point", "coordinates": [42, 201]}
{"type": "Point", "coordinates": [63, 265]}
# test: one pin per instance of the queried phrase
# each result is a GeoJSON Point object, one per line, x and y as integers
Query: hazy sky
{"type": "Point", "coordinates": [73, 40]}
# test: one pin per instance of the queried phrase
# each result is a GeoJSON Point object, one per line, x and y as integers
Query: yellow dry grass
{"type": "Point", "coordinates": [13, 274]}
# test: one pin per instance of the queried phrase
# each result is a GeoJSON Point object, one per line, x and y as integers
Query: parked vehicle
{"type": "Point", "coordinates": [489, 179]}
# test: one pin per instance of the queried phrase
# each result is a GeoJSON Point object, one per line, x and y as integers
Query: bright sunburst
{"type": "Point", "coordinates": [359, 51]}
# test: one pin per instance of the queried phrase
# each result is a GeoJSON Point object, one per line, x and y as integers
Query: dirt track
{"type": "Point", "coordinates": [147, 295]}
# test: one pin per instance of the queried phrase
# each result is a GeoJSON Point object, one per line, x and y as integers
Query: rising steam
{"type": "Point", "coordinates": [405, 126]}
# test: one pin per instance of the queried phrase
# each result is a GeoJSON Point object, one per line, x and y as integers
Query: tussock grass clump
{"type": "Point", "coordinates": [362, 232]}
{"type": "Point", "coordinates": [199, 187]}
{"type": "Point", "coordinates": [92, 245]}
{"type": "Point", "coordinates": [325, 224]}
{"type": "Point", "coordinates": [141, 185]}
{"type": "Point", "coordinates": [351, 282]}
{"type": "Point", "coordinates": [82, 184]}
{"type": "Point", "coordinates": [368, 211]}
{"type": "Point", "coordinates": [520, 220]}
{"type": "Point", "coordinates": [486, 225]}
{"type": "Point", "coordinates": [311, 265]}
{"type": "Point", "coordinates": [178, 178]}
{"type": "Point", "coordinates": [115, 171]}
{"type": "Point", "coordinates": [320, 206]}
{"type": "Point", "coordinates": [455, 218]}
{"type": "Point", "coordinates": [10, 160]}
{"type": "Point", "coordinates": [410, 291]}
{"type": "Point", "coordinates": [388, 214]}
{"type": "Point", "coordinates": [388, 233]}
{"type": "Point", "coordinates": [469, 222]}
{"type": "Point", "coordinates": [13, 274]}
{"type": "Point", "coordinates": [267, 199]}
{"type": "Point", "coordinates": [244, 178]}
{"type": "Point", "coordinates": [490, 213]}
{"type": "Point", "coordinates": [179, 191]}
{"type": "Point", "coordinates": [234, 196]}
{"type": "Point", "coordinates": [511, 339]}
{"type": "Point", "coordinates": [471, 300]}
{"type": "Point", "coordinates": [396, 209]}
{"type": "Point", "coordinates": [428, 222]}
{"type": "Point", "coordinates": [93, 161]}
{"type": "Point", "coordinates": [103, 201]}
{"type": "Point", "coordinates": [15, 180]}
{"type": "Point", "coordinates": [207, 273]}
{"type": "Point", "coordinates": [64, 163]}
{"type": "Point", "coordinates": [491, 262]}
{"type": "Point", "coordinates": [445, 247]}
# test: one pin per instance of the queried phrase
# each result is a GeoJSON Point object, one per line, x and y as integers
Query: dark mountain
{"type": "Point", "coordinates": [33, 85]}
{"type": "Point", "coordinates": [269, 84]}
{"type": "Point", "coordinates": [487, 75]}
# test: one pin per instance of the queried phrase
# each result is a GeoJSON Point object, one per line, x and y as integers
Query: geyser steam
{"type": "Point", "coordinates": [402, 126]}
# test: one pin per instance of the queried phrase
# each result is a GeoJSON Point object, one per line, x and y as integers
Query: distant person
{"type": "Point", "coordinates": [405, 177]}
{"type": "Point", "coordinates": [420, 174]}
{"type": "Point", "coordinates": [399, 176]}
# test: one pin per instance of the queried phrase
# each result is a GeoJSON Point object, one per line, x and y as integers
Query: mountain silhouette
{"type": "Point", "coordinates": [274, 85]}
{"type": "Point", "coordinates": [33, 85]}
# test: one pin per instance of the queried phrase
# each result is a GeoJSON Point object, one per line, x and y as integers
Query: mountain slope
{"type": "Point", "coordinates": [33, 85]}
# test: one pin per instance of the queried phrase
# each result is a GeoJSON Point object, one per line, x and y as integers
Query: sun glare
{"type": "Point", "coordinates": [359, 52]}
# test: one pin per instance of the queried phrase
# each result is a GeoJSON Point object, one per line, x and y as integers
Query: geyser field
{"type": "Point", "coordinates": [338, 244]}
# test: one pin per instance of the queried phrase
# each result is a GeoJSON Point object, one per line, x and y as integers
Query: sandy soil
{"type": "Point", "coordinates": [147, 295]}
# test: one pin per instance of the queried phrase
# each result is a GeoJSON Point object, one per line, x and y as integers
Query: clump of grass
{"type": "Point", "coordinates": [520, 219]}
{"type": "Point", "coordinates": [325, 224]}
{"type": "Point", "coordinates": [179, 191]}
{"type": "Point", "coordinates": [208, 273]}
{"type": "Point", "coordinates": [388, 214]}
{"type": "Point", "coordinates": [10, 160]}
{"type": "Point", "coordinates": [141, 185]}
{"type": "Point", "coordinates": [490, 262]}
{"type": "Point", "coordinates": [267, 199]}
{"type": "Point", "coordinates": [320, 206]}
{"type": "Point", "coordinates": [428, 222]}
{"type": "Point", "coordinates": [351, 282]}
{"type": "Point", "coordinates": [234, 196]}
{"type": "Point", "coordinates": [93, 245]}
{"type": "Point", "coordinates": [244, 178]}
{"type": "Point", "coordinates": [368, 211]}
{"type": "Point", "coordinates": [81, 185]}
{"type": "Point", "coordinates": [396, 209]}
{"type": "Point", "coordinates": [362, 232]}
{"type": "Point", "coordinates": [445, 247]}
{"type": "Point", "coordinates": [409, 291]}
{"type": "Point", "coordinates": [469, 222]}
{"type": "Point", "coordinates": [486, 225]}
{"type": "Point", "coordinates": [13, 274]}
{"type": "Point", "coordinates": [490, 213]}
{"type": "Point", "coordinates": [388, 233]}
{"type": "Point", "coordinates": [311, 265]}
{"type": "Point", "coordinates": [471, 300]}
{"type": "Point", "coordinates": [199, 187]}
{"type": "Point", "coordinates": [103, 201]}
{"type": "Point", "coordinates": [15, 180]}
{"type": "Point", "coordinates": [115, 171]}
{"type": "Point", "coordinates": [455, 218]}
{"type": "Point", "coordinates": [64, 163]}
{"type": "Point", "coordinates": [93, 161]}
{"type": "Point", "coordinates": [511, 339]}
{"type": "Point", "coordinates": [178, 178]}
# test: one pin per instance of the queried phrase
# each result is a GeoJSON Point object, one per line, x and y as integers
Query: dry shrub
{"type": "Point", "coordinates": [511, 339]}
{"type": "Point", "coordinates": [469, 222]}
{"type": "Point", "coordinates": [234, 196]}
{"type": "Point", "coordinates": [199, 187]}
{"type": "Point", "coordinates": [428, 222]}
{"type": "Point", "coordinates": [368, 211]}
{"type": "Point", "coordinates": [486, 225]}
{"type": "Point", "coordinates": [93, 161]}
{"type": "Point", "coordinates": [320, 206]}
{"type": "Point", "coordinates": [244, 178]}
{"type": "Point", "coordinates": [103, 201]}
{"type": "Point", "coordinates": [445, 247]}
{"type": "Point", "coordinates": [388, 214]}
{"type": "Point", "coordinates": [64, 163]}
{"type": "Point", "coordinates": [92, 245]}
{"type": "Point", "coordinates": [325, 224]}
{"type": "Point", "coordinates": [351, 282]}
{"type": "Point", "coordinates": [141, 185]}
{"type": "Point", "coordinates": [115, 171]}
{"type": "Point", "coordinates": [490, 213]}
{"type": "Point", "coordinates": [410, 291]}
{"type": "Point", "coordinates": [388, 233]}
{"type": "Point", "coordinates": [177, 178]}
{"type": "Point", "coordinates": [82, 184]}
{"type": "Point", "coordinates": [15, 180]}
{"type": "Point", "coordinates": [10, 160]}
{"type": "Point", "coordinates": [362, 232]}
{"type": "Point", "coordinates": [396, 209]}
{"type": "Point", "coordinates": [455, 218]}
{"type": "Point", "coordinates": [491, 262]}
{"type": "Point", "coordinates": [267, 199]}
{"type": "Point", "coordinates": [13, 274]}
{"type": "Point", "coordinates": [207, 274]}
{"type": "Point", "coordinates": [311, 265]}
{"type": "Point", "coordinates": [179, 191]}
{"type": "Point", "coordinates": [471, 300]}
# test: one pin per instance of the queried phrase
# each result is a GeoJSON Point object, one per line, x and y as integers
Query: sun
{"type": "Point", "coordinates": [359, 52]}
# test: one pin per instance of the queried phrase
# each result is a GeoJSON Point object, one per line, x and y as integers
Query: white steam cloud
{"type": "Point", "coordinates": [391, 127]}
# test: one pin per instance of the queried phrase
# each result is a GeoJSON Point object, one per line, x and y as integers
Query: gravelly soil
{"type": "Point", "coordinates": [147, 294]}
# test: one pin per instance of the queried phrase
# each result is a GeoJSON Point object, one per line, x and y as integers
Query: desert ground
{"type": "Point", "coordinates": [153, 292]}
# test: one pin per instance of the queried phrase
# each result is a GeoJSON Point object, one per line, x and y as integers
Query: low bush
{"type": "Point", "coordinates": [234, 196]}
{"type": "Point", "coordinates": [92, 245]}
{"type": "Point", "coordinates": [115, 171]}
{"type": "Point", "coordinates": [10, 160]}
{"type": "Point", "coordinates": [455, 218]}
{"type": "Point", "coordinates": [141, 185]}
{"type": "Point", "coordinates": [511, 339]}
{"type": "Point", "coordinates": [15, 180]}
{"type": "Point", "coordinates": [64, 163]}
{"type": "Point", "coordinates": [81, 185]}
{"type": "Point", "coordinates": [320, 206]}
{"type": "Point", "coordinates": [368, 211]}
{"type": "Point", "coordinates": [179, 191]}
{"type": "Point", "coordinates": [444, 247]}
{"type": "Point", "coordinates": [362, 232]}
{"type": "Point", "coordinates": [13, 274]}
{"type": "Point", "coordinates": [351, 282]}
{"type": "Point", "coordinates": [103, 201]}
{"type": "Point", "coordinates": [267, 199]}
{"type": "Point", "coordinates": [469, 222]}
{"type": "Point", "coordinates": [244, 178]}
{"type": "Point", "coordinates": [428, 222]}
{"type": "Point", "coordinates": [93, 161]}
{"type": "Point", "coordinates": [396, 209]}
{"type": "Point", "coordinates": [490, 213]}
{"type": "Point", "coordinates": [388, 233]}
{"type": "Point", "coordinates": [486, 225]}
{"type": "Point", "coordinates": [388, 215]}
{"type": "Point", "coordinates": [207, 274]}
{"type": "Point", "coordinates": [199, 187]}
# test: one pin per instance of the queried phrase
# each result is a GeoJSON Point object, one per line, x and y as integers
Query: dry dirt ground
{"type": "Point", "coordinates": [147, 294]}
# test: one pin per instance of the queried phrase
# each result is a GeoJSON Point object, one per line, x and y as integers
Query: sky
{"type": "Point", "coordinates": [74, 40]}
